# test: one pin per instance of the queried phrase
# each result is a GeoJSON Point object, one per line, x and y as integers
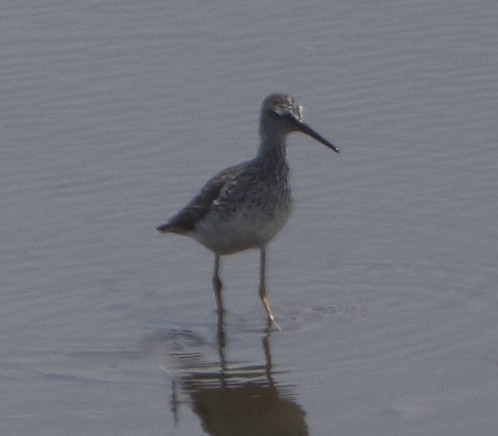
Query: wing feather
{"type": "Point", "coordinates": [185, 220]}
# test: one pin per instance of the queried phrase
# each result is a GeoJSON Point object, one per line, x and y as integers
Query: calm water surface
{"type": "Point", "coordinates": [385, 280]}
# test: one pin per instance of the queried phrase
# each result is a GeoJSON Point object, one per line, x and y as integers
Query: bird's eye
{"type": "Point", "coordinates": [281, 112]}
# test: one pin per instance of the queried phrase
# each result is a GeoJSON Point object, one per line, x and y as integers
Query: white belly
{"type": "Point", "coordinates": [240, 232]}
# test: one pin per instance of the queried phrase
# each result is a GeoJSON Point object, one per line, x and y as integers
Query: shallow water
{"type": "Point", "coordinates": [384, 280]}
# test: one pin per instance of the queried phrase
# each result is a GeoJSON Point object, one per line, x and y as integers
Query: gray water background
{"type": "Point", "coordinates": [113, 114]}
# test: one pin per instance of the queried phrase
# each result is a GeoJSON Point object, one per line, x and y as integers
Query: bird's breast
{"type": "Point", "coordinates": [242, 228]}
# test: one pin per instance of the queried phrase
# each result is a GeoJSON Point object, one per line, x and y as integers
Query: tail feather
{"type": "Point", "coordinates": [172, 227]}
{"type": "Point", "coordinates": [164, 228]}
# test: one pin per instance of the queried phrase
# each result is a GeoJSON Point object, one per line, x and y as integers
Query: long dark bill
{"type": "Point", "coordinates": [307, 130]}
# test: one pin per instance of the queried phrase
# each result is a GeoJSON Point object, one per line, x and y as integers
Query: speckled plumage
{"type": "Point", "coordinates": [244, 206]}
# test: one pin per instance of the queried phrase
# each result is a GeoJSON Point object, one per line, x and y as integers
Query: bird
{"type": "Point", "coordinates": [244, 206]}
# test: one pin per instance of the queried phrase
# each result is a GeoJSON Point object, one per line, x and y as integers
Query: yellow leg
{"type": "Point", "coordinates": [262, 288]}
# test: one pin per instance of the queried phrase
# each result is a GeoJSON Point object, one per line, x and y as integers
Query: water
{"type": "Point", "coordinates": [384, 280]}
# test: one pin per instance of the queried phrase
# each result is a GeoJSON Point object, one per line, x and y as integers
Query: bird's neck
{"type": "Point", "coordinates": [272, 147]}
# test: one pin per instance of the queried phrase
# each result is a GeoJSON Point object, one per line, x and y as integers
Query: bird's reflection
{"type": "Point", "coordinates": [232, 398]}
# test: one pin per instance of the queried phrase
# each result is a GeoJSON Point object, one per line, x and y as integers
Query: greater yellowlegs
{"type": "Point", "coordinates": [244, 206]}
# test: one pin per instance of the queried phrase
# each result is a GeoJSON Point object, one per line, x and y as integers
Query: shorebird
{"type": "Point", "coordinates": [244, 206]}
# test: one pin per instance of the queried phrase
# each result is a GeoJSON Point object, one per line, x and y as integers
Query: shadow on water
{"type": "Point", "coordinates": [235, 398]}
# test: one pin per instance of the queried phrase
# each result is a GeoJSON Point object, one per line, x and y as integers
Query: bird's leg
{"type": "Point", "coordinates": [262, 287]}
{"type": "Point", "coordinates": [217, 285]}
